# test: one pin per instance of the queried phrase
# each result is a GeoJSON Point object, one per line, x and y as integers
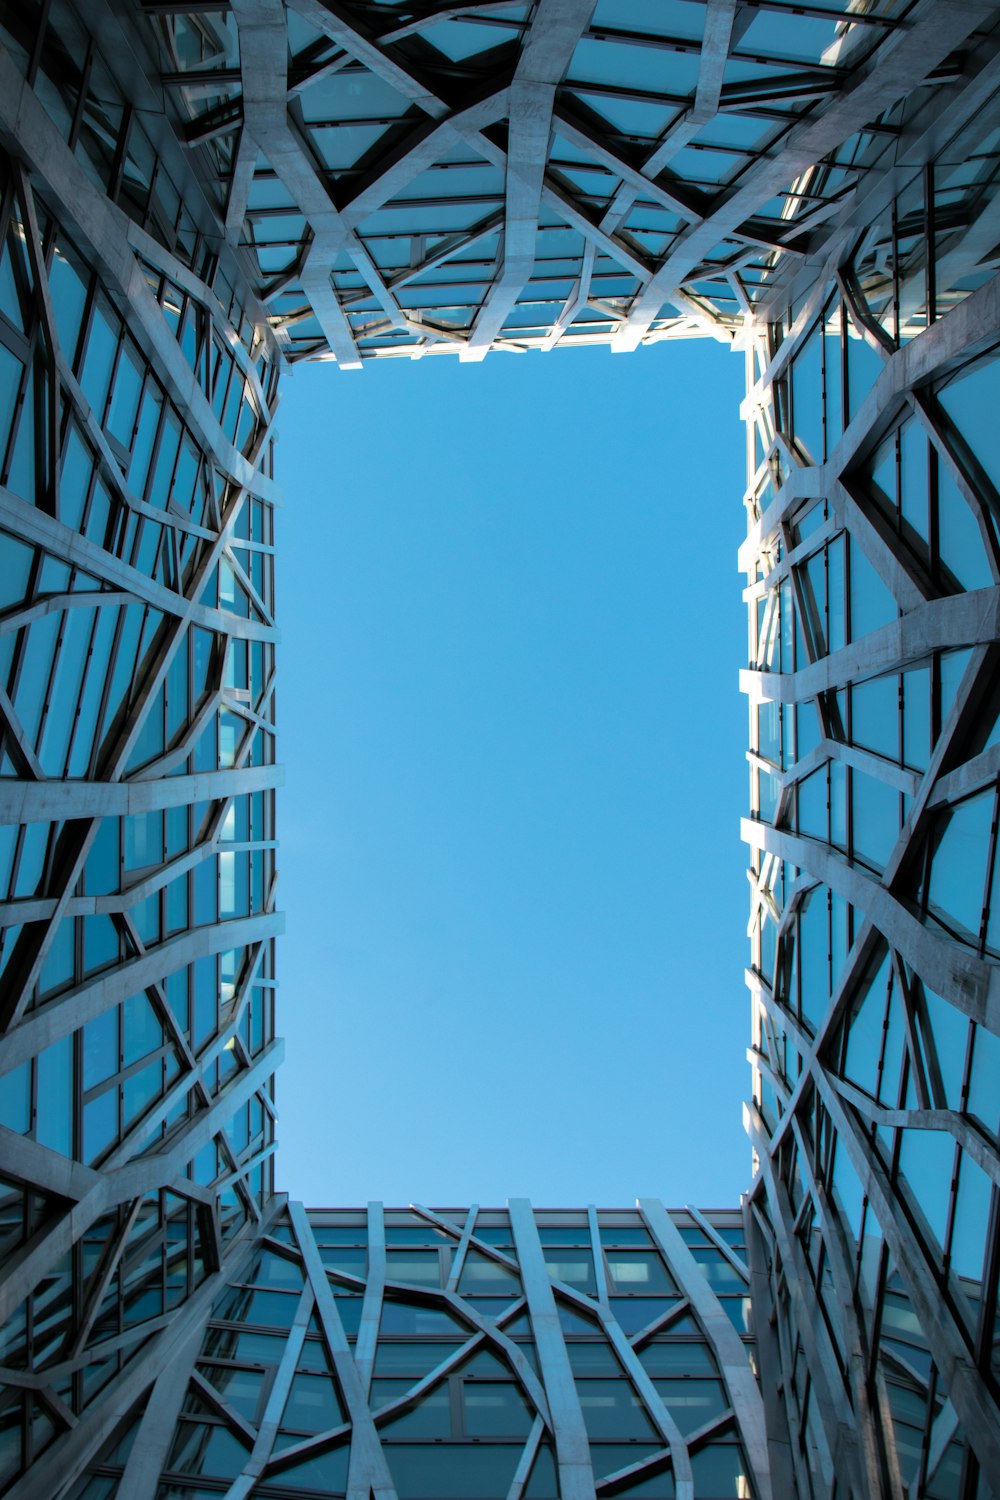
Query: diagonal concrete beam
{"type": "Point", "coordinates": [263, 54]}
{"type": "Point", "coordinates": [548, 51]}
{"type": "Point", "coordinates": [934, 28]}
{"type": "Point", "coordinates": [350, 33]}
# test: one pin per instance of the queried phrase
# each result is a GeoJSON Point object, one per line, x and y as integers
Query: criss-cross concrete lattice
{"type": "Point", "coordinates": [194, 196]}
{"type": "Point", "coordinates": [422, 179]}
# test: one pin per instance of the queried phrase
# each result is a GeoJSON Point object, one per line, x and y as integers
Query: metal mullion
{"type": "Point", "coordinates": [82, 689]}
{"type": "Point", "coordinates": [957, 1167]}
{"type": "Point", "coordinates": [155, 1241]}
{"type": "Point", "coordinates": [35, 54]}
{"type": "Point", "coordinates": [49, 696]}
{"type": "Point", "coordinates": [970, 477]}
{"type": "Point", "coordinates": [121, 519]}
{"type": "Point", "coordinates": [150, 382]}
{"type": "Point", "coordinates": [100, 1280]}
{"type": "Point", "coordinates": [933, 509]}
{"type": "Point", "coordinates": [27, 370]}
{"type": "Point", "coordinates": [886, 1009]}
{"type": "Point", "coordinates": [10, 724]}
{"type": "Point", "coordinates": [894, 240]}
{"type": "Point", "coordinates": [115, 1080]}
{"type": "Point", "coordinates": [153, 210]}
{"type": "Point", "coordinates": [909, 1025]}
{"type": "Point", "coordinates": [12, 338]}
{"type": "Point", "coordinates": [456, 1406]}
{"type": "Point", "coordinates": [935, 1082]}
{"type": "Point", "coordinates": [81, 101]}
{"type": "Point", "coordinates": [121, 150]}
{"type": "Point", "coordinates": [47, 317]}
{"type": "Point", "coordinates": [930, 245]}
{"type": "Point", "coordinates": [896, 1130]}
{"type": "Point", "coordinates": [988, 884]}
{"type": "Point", "coordinates": [986, 1332]}
{"type": "Point", "coordinates": [221, 1408]}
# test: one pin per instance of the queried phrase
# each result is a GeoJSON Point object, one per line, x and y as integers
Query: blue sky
{"type": "Point", "coordinates": [509, 842]}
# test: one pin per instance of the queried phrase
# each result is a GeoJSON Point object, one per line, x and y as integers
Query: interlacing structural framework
{"type": "Point", "coordinates": [192, 199]}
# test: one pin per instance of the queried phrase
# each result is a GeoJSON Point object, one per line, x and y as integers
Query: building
{"type": "Point", "coordinates": [478, 1352]}
{"type": "Point", "coordinates": [194, 198]}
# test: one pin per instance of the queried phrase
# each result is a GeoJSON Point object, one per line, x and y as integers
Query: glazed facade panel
{"type": "Point", "coordinates": [496, 1353]}
{"type": "Point", "coordinates": [192, 199]}
{"type": "Point", "coordinates": [872, 564]}
{"type": "Point", "coordinates": [137, 768]}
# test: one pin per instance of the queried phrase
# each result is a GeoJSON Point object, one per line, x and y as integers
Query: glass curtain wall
{"type": "Point", "coordinates": [137, 775]}
{"type": "Point", "coordinates": [191, 199]}
{"type": "Point", "coordinates": [872, 561]}
{"type": "Point", "coordinates": [511, 1354]}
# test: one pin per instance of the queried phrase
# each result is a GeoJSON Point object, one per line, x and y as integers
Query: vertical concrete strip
{"type": "Point", "coordinates": [174, 1344]}
{"type": "Point", "coordinates": [368, 1473]}
{"type": "Point", "coordinates": [462, 1249]}
{"type": "Point", "coordinates": [600, 1277]}
{"type": "Point", "coordinates": [277, 1397]}
{"type": "Point", "coordinates": [148, 1457]}
{"type": "Point", "coordinates": [779, 1446]}
{"type": "Point", "coordinates": [523, 1471]}
{"type": "Point", "coordinates": [371, 1307]}
{"type": "Point", "coordinates": [727, 1345]}
{"type": "Point", "coordinates": [656, 1410]}
{"type": "Point", "coordinates": [546, 53]}
{"type": "Point", "coordinates": [576, 1477]}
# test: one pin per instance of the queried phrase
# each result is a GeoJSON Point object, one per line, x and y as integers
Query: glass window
{"type": "Point", "coordinates": [608, 1458]}
{"type": "Point", "coordinates": [67, 286]}
{"type": "Point", "coordinates": [275, 1271]}
{"type": "Point", "coordinates": [958, 871]}
{"type": "Point", "coordinates": [480, 1274]}
{"type": "Point", "coordinates": [55, 1096]}
{"type": "Point", "coordinates": [419, 1267]}
{"type": "Point", "coordinates": [960, 541]}
{"type": "Point", "coordinates": [875, 812]}
{"type": "Point", "coordinates": [542, 1484]}
{"type": "Point", "coordinates": [272, 1309]}
{"type": "Point", "coordinates": [495, 1409]}
{"type": "Point", "coordinates": [719, 1471]}
{"type": "Point", "coordinates": [692, 1403]}
{"type": "Point", "coordinates": [200, 1449]}
{"type": "Point", "coordinates": [612, 1410]}
{"type": "Point", "coordinates": [312, 1405]}
{"type": "Point", "coordinates": [970, 401]}
{"type": "Point", "coordinates": [401, 1317]}
{"type": "Point", "coordinates": [635, 1313]}
{"type": "Point", "coordinates": [98, 361]}
{"type": "Point", "coordinates": [592, 1359]}
{"type": "Point", "coordinates": [254, 1348]}
{"type": "Point", "coordinates": [240, 1389]}
{"type": "Point", "coordinates": [349, 1308]}
{"type": "Point", "coordinates": [574, 1267]}
{"type": "Point", "coordinates": [430, 1418]}
{"type": "Point", "coordinates": [638, 1271]}
{"type": "Point", "coordinates": [411, 1359]}
{"type": "Point", "coordinates": [453, 1471]}
{"type": "Point", "coordinates": [15, 1099]}
{"type": "Point", "coordinates": [669, 1357]}
{"type": "Point", "coordinates": [327, 1472]}
{"type": "Point", "coordinates": [352, 1259]}
{"type": "Point", "coordinates": [125, 396]}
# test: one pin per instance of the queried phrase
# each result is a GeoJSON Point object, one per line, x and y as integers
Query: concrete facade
{"type": "Point", "coordinates": [194, 198]}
